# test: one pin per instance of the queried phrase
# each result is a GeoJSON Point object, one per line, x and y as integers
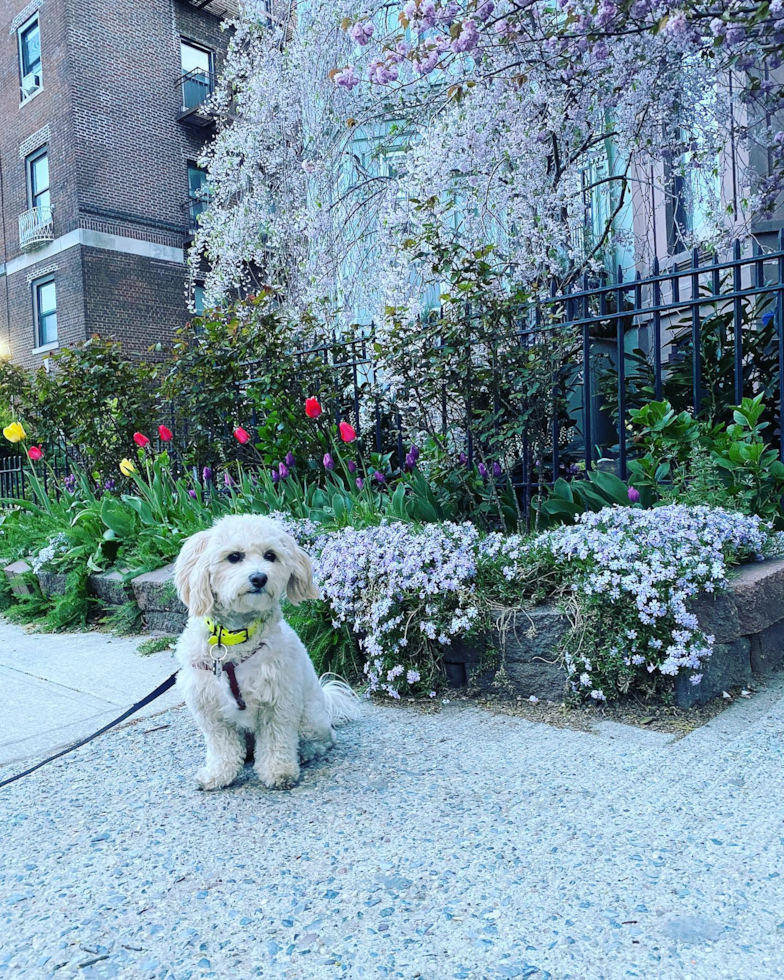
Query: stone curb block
{"type": "Point", "coordinates": [110, 588]}
{"type": "Point", "coordinates": [52, 583]}
{"type": "Point", "coordinates": [155, 592]}
{"type": "Point", "coordinates": [13, 573]}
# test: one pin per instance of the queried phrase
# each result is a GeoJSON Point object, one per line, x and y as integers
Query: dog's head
{"type": "Point", "coordinates": [244, 564]}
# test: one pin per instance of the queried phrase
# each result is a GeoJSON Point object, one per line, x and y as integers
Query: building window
{"type": "Point", "coordinates": [198, 194]}
{"type": "Point", "coordinates": [37, 166]}
{"type": "Point", "coordinates": [30, 57]}
{"type": "Point", "coordinates": [198, 79]}
{"type": "Point", "coordinates": [198, 299]}
{"type": "Point", "coordinates": [45, 312]}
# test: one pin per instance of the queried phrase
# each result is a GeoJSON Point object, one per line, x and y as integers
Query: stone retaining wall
{"type": "Point", "coordinates": [747, 622]}
{"type": "Point", "coordinates": [153, 592]}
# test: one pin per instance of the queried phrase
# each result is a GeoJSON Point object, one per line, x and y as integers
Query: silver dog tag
{"type": "Point", "coordinates": [217, 661]}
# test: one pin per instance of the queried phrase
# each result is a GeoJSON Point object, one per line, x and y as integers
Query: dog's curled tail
{"type": "Point", "coordinates": [342, 703]}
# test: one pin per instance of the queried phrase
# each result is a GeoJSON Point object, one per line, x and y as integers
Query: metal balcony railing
{"type": "Point", "coordinates": [36, 228]}
{"type": "Point", "coordinates": [195, 89]}
{"type": "Point", "coordinates": [196, 206]}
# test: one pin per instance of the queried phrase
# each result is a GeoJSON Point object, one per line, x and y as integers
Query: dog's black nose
{"type": "Point", "coordinates": [258, 580]}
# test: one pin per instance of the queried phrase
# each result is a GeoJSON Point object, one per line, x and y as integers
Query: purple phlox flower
{"type": "Point", "coordinates": [346, 78]}
{"type": "Point", "coordinates": [379, 477]}
{"type": "Point", "coordinates": [283, 470]}
{"type": "Point", "coordinates": [289, 460]}
{"type": "Point", "coordinates": [329, 462]}
{"type": "Point", "coordinates": [206, 474]}
{"type": "Point", "coordinates": [275, 476]}
{"type": "Point", "coordinates": [352, 466]}
{"type": "Point", "coordinates": [497, 471]}
{"type": "Point", "coordinates": [360, 483]}
{"type": "Point", "coordinates": [362, 32]}
{"type": "Point", "coordinates": [633, 494]}
{"type": "Point", "coordinates": [483, 471]}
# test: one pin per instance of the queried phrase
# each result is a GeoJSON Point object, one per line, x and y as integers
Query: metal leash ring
{"type": "Point", "coordinates": [217, 662]}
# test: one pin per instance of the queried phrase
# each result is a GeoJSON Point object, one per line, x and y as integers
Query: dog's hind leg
{"type": "Point", "coordinates": [316, 734]}
{"type": "Point", "coordinates": [225, 754]}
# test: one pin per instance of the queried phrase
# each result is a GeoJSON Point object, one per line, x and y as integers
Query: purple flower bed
{"type": "Point", "coordinates": [625, 576]}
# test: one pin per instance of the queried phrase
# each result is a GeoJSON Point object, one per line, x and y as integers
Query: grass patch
{"type": "Point", "coordinates": [125, 620]}
{"type": "Point", "coordinates": [331, 648]}
{"type": "Point", "coordinates": [156, 644]}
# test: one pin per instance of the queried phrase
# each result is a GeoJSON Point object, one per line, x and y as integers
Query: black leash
{"type": "Point", "coordinates": [159, 690]}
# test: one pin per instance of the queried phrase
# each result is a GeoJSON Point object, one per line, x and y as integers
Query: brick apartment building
{"type": "Point", "coordinates": [101, 123]}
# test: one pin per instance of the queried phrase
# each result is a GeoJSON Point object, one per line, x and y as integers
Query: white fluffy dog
{"type": "Point", "coordinates": [243, 668]}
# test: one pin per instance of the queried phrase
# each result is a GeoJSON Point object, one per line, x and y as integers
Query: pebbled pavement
{"type": "Point", "coordinates": [460, 844]}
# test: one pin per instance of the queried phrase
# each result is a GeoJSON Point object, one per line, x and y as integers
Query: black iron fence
{"type": "Point", "coordinates": [545, 388]}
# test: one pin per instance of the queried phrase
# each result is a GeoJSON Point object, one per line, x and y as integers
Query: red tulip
{"type": "Point", "coordinates": [347, 432]}
{"type": "Point", "coordinates": [312, 408]}
{"type": "Point", "coordinates": [35, 452]}
{"type": "Point", "coordinates": [241, 435]}
{"type": "Point", "coordinates": [165, 433]}
{"type": "Point", "coordinates": [140, 440]}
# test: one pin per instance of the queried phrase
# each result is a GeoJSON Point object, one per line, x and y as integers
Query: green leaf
{"type": "Point", "coordinates": [609, 484]}
{"type": "Point", "coordinates": [117, 517]}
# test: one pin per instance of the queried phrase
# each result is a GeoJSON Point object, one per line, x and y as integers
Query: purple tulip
{"type": "Point", "coordinates": [206, 474]}
{"type": "Point", "coordinates": [275, 476]}
{"type": "Point", "coordinates": [283, 471]}
{"type": "Point", "coordinates": [483, 471]}
{"type": "Point", "coordinates": [634, 495]}
{"type": "Point", "coordinates": [69, 482]}
{"type": "Point", "coordinates": [352, 466]}
{"type": "Point", "coordinates": [289, 460]}
{"type": "Point", "coordinates": [329, 462]}
{"type": "Point", "coordinates": [410, 461]}
{"type": "Point", "coordinates": [414, 452]}
{"type": "Point", "coordinates": [110, 485]}
{"type": "Point", "coordinates": [227, 480]}
{"type": "Point", "coordinates": [192, 493]}
{"type": "Point", "coordinates": [463, 459]}
{"type": "Point", "coordinates": [497, 471]}
{"type": "Point", "coordinates": [379, 477]}
{"type": "Point", "coordinates": [360, 483]}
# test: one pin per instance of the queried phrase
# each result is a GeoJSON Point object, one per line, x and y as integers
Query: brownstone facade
{"type": "Point", "coordinates": [104, 102]}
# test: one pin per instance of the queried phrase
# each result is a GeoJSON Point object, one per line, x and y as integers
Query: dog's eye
{"type": "Point", "coordinates": [270, 556]}
{"type": "Point", "coordinates": [235, 557]}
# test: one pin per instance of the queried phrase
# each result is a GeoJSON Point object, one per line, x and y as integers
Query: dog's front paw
{"type": "Point", "coordinates": [279, 778]}
{"type": "Point", "coordinates": [208, 779]}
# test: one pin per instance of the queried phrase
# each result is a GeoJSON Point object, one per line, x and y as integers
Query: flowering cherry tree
{"type": "Point", "coordinates": [373, 146]}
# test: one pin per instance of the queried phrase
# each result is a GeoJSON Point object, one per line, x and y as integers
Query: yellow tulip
{"type": "Point", "coordinates": [127, 468]}
{"type": "Point", "coordinates": [14, 432]}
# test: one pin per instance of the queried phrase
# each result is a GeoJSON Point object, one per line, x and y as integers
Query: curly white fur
{"type": "Point", "coordinates": [289, 710]}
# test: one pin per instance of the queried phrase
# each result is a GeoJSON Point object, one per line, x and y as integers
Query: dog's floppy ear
{"type": "Point", "coordinates": [301, 585]}
{"type": "Point", "coordinates": [192, 577]}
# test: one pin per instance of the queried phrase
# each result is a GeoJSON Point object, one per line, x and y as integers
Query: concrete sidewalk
{"type": "Point", "coordinates": [58, 688]}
